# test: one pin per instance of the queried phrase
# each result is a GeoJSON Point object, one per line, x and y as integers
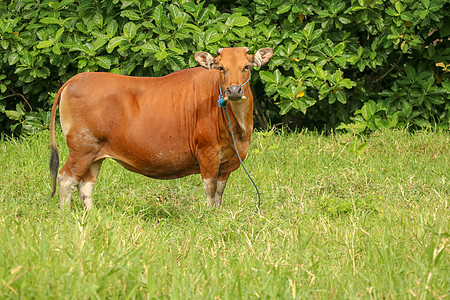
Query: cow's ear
{"type": "Point", "coordinates": [206, 60]}
{"type": "Point", "coordinates": [261, 57]}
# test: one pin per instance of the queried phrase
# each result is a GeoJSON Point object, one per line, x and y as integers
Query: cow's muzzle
{"type": "Point", "coordinates": [234, 93]}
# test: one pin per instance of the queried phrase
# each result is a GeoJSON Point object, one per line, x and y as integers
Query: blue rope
{"type": "Point", "coordinates": [223, 104]}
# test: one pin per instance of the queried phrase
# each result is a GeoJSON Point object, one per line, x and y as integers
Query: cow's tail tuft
{"type": "Point", "coordinates": [54, 156]}
{"type": "Point", "coordinates": [54, 166]}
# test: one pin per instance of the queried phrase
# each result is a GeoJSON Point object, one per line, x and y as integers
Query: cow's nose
{"type": "Point", "coordinates": [234, 92]}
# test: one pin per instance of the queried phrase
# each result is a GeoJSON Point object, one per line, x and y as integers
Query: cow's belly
{"type": "Point", "coordinates": [160, 170]}
{"type": "Point", "coordinates": [153, 158]}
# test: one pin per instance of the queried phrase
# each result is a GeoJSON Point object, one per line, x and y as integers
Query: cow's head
{"type": "Point", "coordinates": [234, 65]}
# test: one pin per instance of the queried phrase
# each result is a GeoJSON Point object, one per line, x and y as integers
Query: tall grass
{"type": "Point", "coordinates": [341, 218]}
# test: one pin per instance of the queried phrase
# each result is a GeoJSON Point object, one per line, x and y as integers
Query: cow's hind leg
{"type": "Point", "coordinates": [70, 176]}
{"type": "Point", "coordinates": [86, 184]}
{"type": "Point", "coordinates": [67, 184]}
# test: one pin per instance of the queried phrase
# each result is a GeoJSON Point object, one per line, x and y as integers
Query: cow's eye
{"type": "Point", "coordinates": [221, 69]}
{"type": "Point", "coordinates": [246, 68]}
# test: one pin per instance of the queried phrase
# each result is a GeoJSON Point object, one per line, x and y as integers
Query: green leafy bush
{"type": "Point", "coordinates": [336, 60]}
{"type": "Point", "coordinates": [332, 58]}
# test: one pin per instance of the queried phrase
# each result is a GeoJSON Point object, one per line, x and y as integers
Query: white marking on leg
{"type": "Point", "coordinates": [66, 186]}
{"type": "Point", "coordinates": [219, 192]}
{"type": "Point", "coordinates": [85, 190]}
{"type": "Point", "coordinates": [210, 186]}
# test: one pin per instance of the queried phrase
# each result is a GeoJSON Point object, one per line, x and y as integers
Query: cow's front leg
{"type": "Point", "coordinates": [209, 168]}
{"type": "Point", "coordinates": [210, 185]}
{"type": "Point", "coordinates": [221, 183]}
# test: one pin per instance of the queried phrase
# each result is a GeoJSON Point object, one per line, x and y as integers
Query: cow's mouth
{"type": "Point", "coordinates": [234, 99]}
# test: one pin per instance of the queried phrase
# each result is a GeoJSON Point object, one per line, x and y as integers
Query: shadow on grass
{"type": "Point", "coordinates": [155, 211]}
{"type": "Point", "coordinates": [165, 204]}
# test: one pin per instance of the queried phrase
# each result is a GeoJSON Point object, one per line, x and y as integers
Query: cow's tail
{"type": "Point", "coordinates": [54, 156]}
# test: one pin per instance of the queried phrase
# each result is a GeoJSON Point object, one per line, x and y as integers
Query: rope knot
{"type": "Point", "coordinates": [222, 103]}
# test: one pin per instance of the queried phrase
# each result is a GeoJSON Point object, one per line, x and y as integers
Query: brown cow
{"type": "Point", "coordinates": [164, 128]}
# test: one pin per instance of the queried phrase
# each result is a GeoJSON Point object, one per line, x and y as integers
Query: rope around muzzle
{"type": "Point", "coordinates": [223, 104]}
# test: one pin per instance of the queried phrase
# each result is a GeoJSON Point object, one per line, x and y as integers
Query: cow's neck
{"type": "Point", "coordinates": [243, 113]}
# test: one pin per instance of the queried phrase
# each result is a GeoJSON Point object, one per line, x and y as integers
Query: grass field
{"type": "Point", "coordinates": [340, 218]}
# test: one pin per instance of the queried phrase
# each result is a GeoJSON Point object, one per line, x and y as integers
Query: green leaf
{"type": "Point", "coordinates": [445, 30]}
{"type": "Point", "coordinates": [4, 44]}
{"type": "Point", "coordinates": [278, 76]}
{"type": "Point", "coordinates": [446, 85]}
{"type": "Point", "coordinates": [130, 14]}
{"type": "Point", "coordinates": [341, 96]}
{"type": "Point", "coordinates": [98, 43]}
{"type": "Point", "coordinates": [81, 48]}
{"type": "Point", "coordinates": [59, 33]}
{"type": "Point", "coordinates": [353, 59]}
{"type": "Point", "coordinates": [56, 49]}
{"type": "Point", "coordinates": [360, 51]}
{"type": "Point", "coordinates": [398, 6]}
{"type": "Point", "coordinates": [341, 60]}
{"type": "Point", "coordinates": [423, 13]}
{"type": "Point", "coordinates": [241, 21]}
{"type": "Point", "coordinates": [410, 72]}
{"type": "Point", "coordinates": [406, 108]}
{"type": "Point", "coordinates": [361, 65]}
{"type": "Point", "coordinates": [112, 28]}
{"type": "Point", "coordinates": [176, 62]}
{"type": "Point", "coordinates": [193, 27]}
{"type": "Point", "coordinates": [368, 110]}
{"type": "Point", "coordinates": [13, 58]}
{"type": "Point", "coordinates": [150, 47]}
{"type": "Point", "coordinates": [345, 20]}
{"type": "Point", "coordinates": [285, 107]}
{"type": "Point", "coordinates": [267, 76]}
{"type": "Point", "coordinates": [103, 62]}
{"type": "Point", "coordinates": [48, 20]}
{"type": "Point", "coordinates": [285, 92]}
{"type": "Point", "coordinates": [213, 37]}
{"type": "Point", "coordinates": [347, 83]}
{"type": "Point", "coordinates": [407, 16]}
{"type": "Point", "coordinates": [324, 90]}
{"type": "Point", "coordinates": [240, 32]}
{"type": "Point", "coordinates": [130, 30]}
{"type": "Point", "coordinates": [161, 55]}
{"type": "Point", "coordinates": [14, 115]}
{"type": "Point", "coordinates": [421, 122]}
{"type": "Point", "coordinates": [158, 13]}
{"type": "Point", "coordinates": [309, 29]}
{"type": "Point", "coordinates": [176, 50]}
{"type": "Point", "coordinates": [303, 103]}
{"type": "Point", "coordinates": [44, 44]}
{"type": "Point", "coordinates": [178, 20]}
{"type": "Point", "coordinates": [425, 3]}
{"type": "Point", "coordinates": [393, 120]}
{"type": "Point", "coordinates": [114, 42]}
{"type": "Point", "coordinates": [283, 8]}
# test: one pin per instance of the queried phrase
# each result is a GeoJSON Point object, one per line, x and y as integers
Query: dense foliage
{"type": "Point", "coordinates": [366, 63]}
